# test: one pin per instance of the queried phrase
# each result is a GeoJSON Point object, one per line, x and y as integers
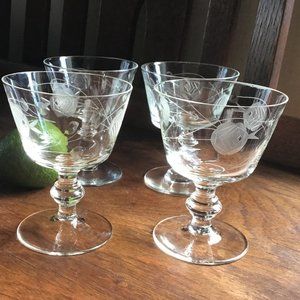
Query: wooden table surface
{"type": "Point", "coordinates": [265, 207]}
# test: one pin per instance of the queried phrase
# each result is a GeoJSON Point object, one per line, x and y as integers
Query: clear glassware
{"type": "Point", "coordinates": [214, 132]}
{"type": "Point", "coordinates": [67, 121]}
{"type": "Point", "coordinates": [107, 172]}
{"type": "Point", "coordinates": [164, 179]}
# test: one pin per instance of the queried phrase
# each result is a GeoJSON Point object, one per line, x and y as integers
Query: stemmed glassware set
{"type": "Point", "coordinates": [214, 131]}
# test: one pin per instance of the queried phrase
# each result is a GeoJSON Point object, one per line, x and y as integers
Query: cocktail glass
{"type": "Point", "coordinates": [67, 121]}
{"type": "Point", "coordinates": [106, 172]}
{"type": "Point", "coordinates": [214, 132]}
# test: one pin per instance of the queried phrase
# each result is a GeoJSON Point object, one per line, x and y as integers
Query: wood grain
{"type": "Point", "coordinates": [268, 41]}
{"type": "Point", "coordinates": [282, 40]}
{"type": "Point", "coordinates": [219, 24]}
{"type": "Point", "coordinates": [284, 146]}
{"type": "Point", "coordinates": [265, 207]}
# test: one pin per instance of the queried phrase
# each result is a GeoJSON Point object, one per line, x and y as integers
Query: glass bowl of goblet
{"type": "Point", "coordinates": [67, 121]}
{"type": "Point", "coordinates": [214, 132]}
{"type": "Point", "coordinates": [165, 179]}
{"type": "Point", "coordinates": [106, 172]}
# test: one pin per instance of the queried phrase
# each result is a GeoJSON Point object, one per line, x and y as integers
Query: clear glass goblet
{"type": "Point", "coordinates": [165, 179]}
{"type": "Point", "coordinates": [67, 121]}
{"type": "Point", "coordinates": [107, 172]}
{"type": "Point", "coordinates": [214, 132]}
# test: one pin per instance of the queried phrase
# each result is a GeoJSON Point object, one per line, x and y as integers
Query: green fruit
{"type": "Point", "coordinates": [58, 142]}
{"type": "Point", "coordinates": [18, 169]}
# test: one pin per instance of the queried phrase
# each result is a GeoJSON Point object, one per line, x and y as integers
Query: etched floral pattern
{"type": "Point", "coordinates": [230, 138]}
{"type": "Point", "coordinates": [255, 115]}
{"type": "Point", "coordinates": [63, 105]}
{"type": "Point", "coordinates": [79, 118]}
{"type": "Point", "coordinates": [232, 126]}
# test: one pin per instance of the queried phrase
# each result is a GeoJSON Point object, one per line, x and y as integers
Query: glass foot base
{"type": "Point", "coordinates": [102, 174]}
{"type": "Point", "coordinates": [157, 180]}
{"type": "Point", "coordinates": [224, 244]}
{"type": "Point", "coordinates": [42, 232]}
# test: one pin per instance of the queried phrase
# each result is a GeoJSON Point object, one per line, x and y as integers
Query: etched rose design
{"type": "Point", "coordinates": [229, 138]}
{"type": "Point", "coordinates": [254, 116]}
{"type": "Point", "coordinates": [63, 105]}
{"type": "Point", "coordinates": [82, 81]}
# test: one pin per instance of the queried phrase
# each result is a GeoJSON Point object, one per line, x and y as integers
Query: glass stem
{"type": "Point", "coordinates": [67, 192]}
{"type": "Point", "coordinates": [203, 205]}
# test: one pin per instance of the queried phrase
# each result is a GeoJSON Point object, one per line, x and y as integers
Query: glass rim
{"type": "Point", "coordinates": [143, 68]}
{"type": "Point", "coordinates": [240, 83]}
{"type": "Point", "coordinates": [5, 77]}
{"type": "Point", "coordinates": [46, 62]}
